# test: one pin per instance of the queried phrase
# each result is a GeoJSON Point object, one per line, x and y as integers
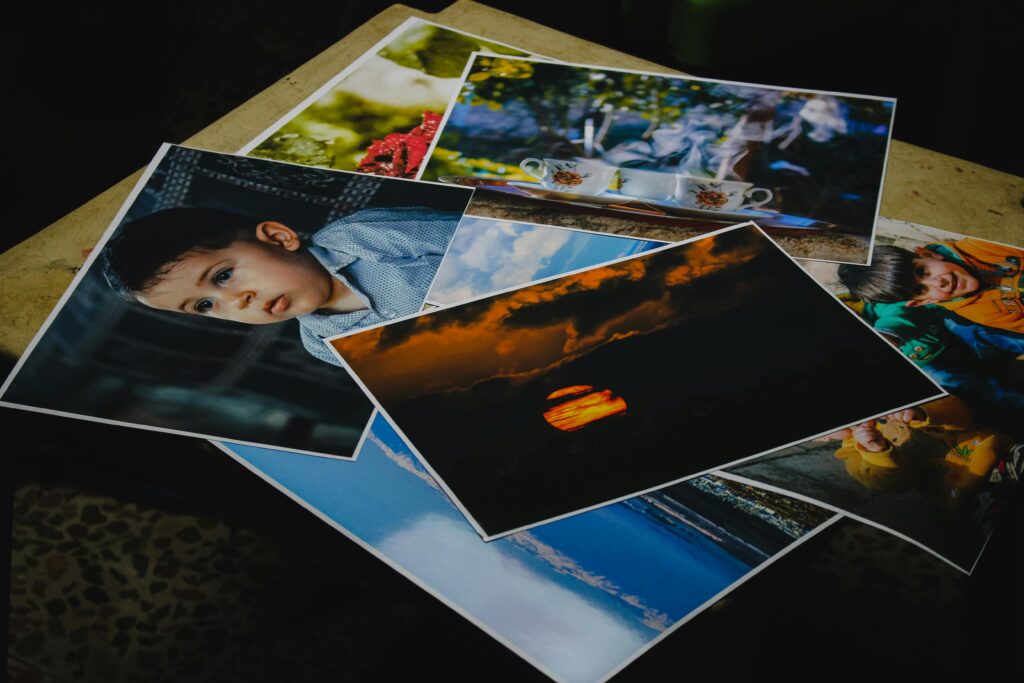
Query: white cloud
{"type": "Point", "coordinates": [405, 462]}
{"type": "Point", "coordinates": [486, 246]}
{"type": "Point", "coordinates": [572, 637]}
{"type": "Point", "coordinates": [490, 255]}
{"type": "Point", "coordinates": [528, 254]}
{"type": "Point", "coordinates": [563, 564]}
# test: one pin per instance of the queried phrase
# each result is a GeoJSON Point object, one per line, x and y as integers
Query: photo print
{"type": "Point", "coordinates": [585, 389]}
{"type": "Point", "coordinates": [666, 157]}
{"type": "Point", "coordinates": [488, 255]}
{"type": "Point", "coordinates": [380, 113]}
{"type": "Point", "coordinates": [580, 598]}
{"type": "Point", "coordinates": [938, 474]}
{"type": "Point", "coordinates": [201, 310]}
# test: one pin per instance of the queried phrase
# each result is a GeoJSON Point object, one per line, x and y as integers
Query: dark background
{"type": "Point", "coordinates": [91, 92]}
{"type": "Point", "coordinates": [96, 91]}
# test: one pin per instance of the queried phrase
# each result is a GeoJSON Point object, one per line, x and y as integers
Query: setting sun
{"type": "Point", "coordinates": [578, 412]}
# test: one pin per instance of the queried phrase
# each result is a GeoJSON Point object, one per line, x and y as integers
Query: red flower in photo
{"type": "Point", "coordinates": [431, 121]}
{"type": "Point", "coordinates": [399, 155]}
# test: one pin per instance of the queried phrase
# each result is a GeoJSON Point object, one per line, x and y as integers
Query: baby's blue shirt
{"type": "Point", "coordinates": [387, 257]}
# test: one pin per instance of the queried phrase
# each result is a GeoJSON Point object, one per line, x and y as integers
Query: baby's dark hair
{"type": "Point", "coordinates": [889, 278]}
{"type": "Point", "coordinates": [142, 251]}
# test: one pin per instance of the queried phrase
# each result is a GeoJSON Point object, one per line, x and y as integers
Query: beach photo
{"type": "Point", "coordinates": [540, 402]}
{"type": "Point", "coordinates": [202, 309]}
{"type": "Point", "coordinates": [565, 140]}
{"type": "Point", "coordinates": [579, 598]}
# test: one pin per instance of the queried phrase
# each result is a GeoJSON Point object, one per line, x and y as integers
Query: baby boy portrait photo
{"type": "Point", "coordinates": [203, 309]}
{"type": "Point", "coordinates": [365, 268]}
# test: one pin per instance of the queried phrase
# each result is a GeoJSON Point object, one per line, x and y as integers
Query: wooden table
{"type": "Point", "coordinates": [921, 186]}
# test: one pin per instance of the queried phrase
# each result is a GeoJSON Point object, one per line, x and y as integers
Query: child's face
{"type": "Point", "coordinates": [939, 280]}
{"type": "Point", "coordinates": [263, 280]}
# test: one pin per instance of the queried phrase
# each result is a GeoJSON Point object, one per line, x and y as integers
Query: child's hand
{"type": "Point", "coordinates": [908, 415]}
{"type": "Point", "coordinates": [841, 435]}
{"type": "Point", "coordinates": [869, 438]}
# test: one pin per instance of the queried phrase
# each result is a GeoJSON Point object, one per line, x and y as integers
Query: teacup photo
{"type": "Point", "coordinates": [563, 175]}
{"type": "Point", "coordinates": [636, 182]}
{"type": "Point", "coordinates": [718, 195]}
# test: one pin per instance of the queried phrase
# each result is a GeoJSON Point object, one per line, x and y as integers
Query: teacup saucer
{"type": "Point", "coordinates": [612, 198]}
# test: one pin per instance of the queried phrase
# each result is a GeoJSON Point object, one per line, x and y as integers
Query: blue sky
{"type": "Point", "coordinates": [578, 596]}
{"type": "Point", "coordinates": [488, 255]}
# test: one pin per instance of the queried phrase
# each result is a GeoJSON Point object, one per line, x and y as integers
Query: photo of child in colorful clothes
{"type": "Point", "coordinates": [937, 449]}
{"type": "Point", "coordinates": [937, 474]}
{"type": "Point", "coordinates": [976, 280]}
{"type": "Point", "coordinates": [955, 308]}
{"type": "Point", "coordinates": [370, 266]}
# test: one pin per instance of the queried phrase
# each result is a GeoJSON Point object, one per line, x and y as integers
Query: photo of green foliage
{"type": "Point", "coordinates": [380, 117]}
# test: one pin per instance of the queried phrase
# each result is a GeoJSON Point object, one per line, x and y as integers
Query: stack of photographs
{"type": "Point", "coordinates": [544, 328]}
{"type": "Point", "coordinates": [524, 404]}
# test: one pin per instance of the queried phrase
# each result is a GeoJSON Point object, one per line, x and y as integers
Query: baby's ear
{"type": "Point", "coordinates": [278, 234]}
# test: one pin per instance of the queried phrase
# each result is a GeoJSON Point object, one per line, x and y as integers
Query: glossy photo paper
{"type": "Point", "coordinates": [580, 598]}
{"type": "Point", "coordinates": [202, 308]}
{"type": "Point", "coordinates": [564, 141]}
{"type": "Point", "coordinates": [488, 256]}
{"type": "Point", "coordinates": [581, 390]}
{"type": "Point", "coordinates": [937, 475]}
{"type": "Point", "coordinates": [380, 113]}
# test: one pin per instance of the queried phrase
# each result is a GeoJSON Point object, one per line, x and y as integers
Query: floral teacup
{"type": "Point", "coordinates": [562, 175]}
{"type": "Point", "coordinates": [718, 195]}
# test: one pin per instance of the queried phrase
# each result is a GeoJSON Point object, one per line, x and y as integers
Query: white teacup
{"type": "Point", "coordinates": [637, 182]}
{"type": "Point", "coordinates": [718, 195]}
{"type": "Point", "coordinates": [563, 175]}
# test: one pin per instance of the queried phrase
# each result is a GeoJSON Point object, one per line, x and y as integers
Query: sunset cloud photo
{"type": "Point", "coordinates": [573, 392]}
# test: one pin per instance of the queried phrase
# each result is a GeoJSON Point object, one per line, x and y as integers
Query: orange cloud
{"type": "Point", "coordinates": [569, 391]}
{"type": "Point", "coordinates": [556, 289]}
{"type": "Point", "coordinates": [648, 316]}
{"type": "Point", "coordinates": [700, 261]}
{"type": "Point", "coordinates": [451, 356]}
{"type": "Point", "coordinates": [439, 352]}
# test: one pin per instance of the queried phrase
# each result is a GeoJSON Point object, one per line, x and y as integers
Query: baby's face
{"type": "Point", "coordinates": [259, 281]}
{"type": "Point", "coordinates": [938, 280]}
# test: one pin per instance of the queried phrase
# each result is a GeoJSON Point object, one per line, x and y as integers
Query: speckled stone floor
{"type": "Point", "coordinates": [114, 591]}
